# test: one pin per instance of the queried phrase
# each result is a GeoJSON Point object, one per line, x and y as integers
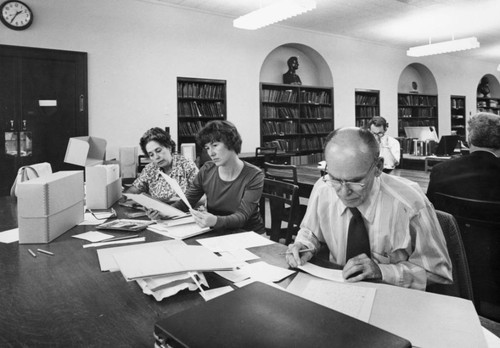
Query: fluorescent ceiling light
{"type": "Point", "coordinates": [443, 47]}
{"type": "Point", "coordinates": [273, 13]}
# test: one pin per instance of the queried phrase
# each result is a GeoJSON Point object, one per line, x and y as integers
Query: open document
{"type": "Point", "coordinates": [151, 203]}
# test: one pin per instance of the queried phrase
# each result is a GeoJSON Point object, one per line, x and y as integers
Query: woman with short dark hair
{"type": "Point", "coordinates": [232, 187]}
{"type": "Point", "coordinates": [158, 146]}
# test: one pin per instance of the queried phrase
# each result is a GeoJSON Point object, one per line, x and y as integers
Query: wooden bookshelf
{"type": "Point", "coordinates": [198, 102]}
{"type": "Point", "coordinates": [416, 110]}
{"type": "Point", "coordinates": [457, 112]}
{"type": "Point", "coordinates": [295, 119]}
{"type": "Point", "coordinates": [367, 106]}
{"type": "Point", "coordinates": [488, 104]}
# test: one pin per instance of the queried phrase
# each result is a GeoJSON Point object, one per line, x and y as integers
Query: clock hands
{"type": "Point", "coordinates": [17, 13]}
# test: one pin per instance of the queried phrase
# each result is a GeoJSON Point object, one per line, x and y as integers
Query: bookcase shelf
{"type": "Point", "coordinates": [488, 104]}
{"type": "Point", "coordinates": [457, 112]}
{"type": "Point", "coordinates": [367, 106]}
{"type": "Point", "coordinates": [295, 119]}
{"type": "Point", "coordinates": [198, 102]}
{"type": "Point", "coordinates": [416, 110]}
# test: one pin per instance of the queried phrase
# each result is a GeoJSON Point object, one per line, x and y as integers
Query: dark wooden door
{"type": "Point", "coordinates": [43, 102]}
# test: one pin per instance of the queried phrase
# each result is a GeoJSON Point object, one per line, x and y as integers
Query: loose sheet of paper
{"type": "Point", "coordinates": [93, 236]}
{"type": "Point", "coordinates": [235, 241]}
{"type": "Point", "coordinates": [213, 293]}
{"type": "Point", "coordinates": [355, 301]}
{"type": "Point", "coordinates": [175, 185]}
{"type": "Point", "coordinates": [9, 236]}
{"type": "Point", "coordinates": [322, 272]}
{"type": "Point", "coordinates": [181, 231]}
{"type": "Point", "coordinates": [122, 241]}
{"type": "Point", "coordinates": [260, 271]}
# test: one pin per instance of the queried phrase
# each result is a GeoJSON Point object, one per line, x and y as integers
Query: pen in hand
{"type": "Point", "coordinates": [300, 251]}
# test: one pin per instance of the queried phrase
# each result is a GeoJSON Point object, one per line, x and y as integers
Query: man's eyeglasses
{"type": "Point", "coordinates": [353, 185]}
{"type": "Point", "coordinates": [379, 134]}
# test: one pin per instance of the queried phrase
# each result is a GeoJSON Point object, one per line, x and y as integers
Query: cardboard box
{"type": "Point", "coordinates": [49, 206]}
{"type": "Point", "coordinates": [102, 179]}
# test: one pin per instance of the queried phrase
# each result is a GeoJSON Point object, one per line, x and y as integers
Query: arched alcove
{"type": "Point", "coordinates": [493, 84]}
{"type": "Point", "coordinates": [421, 75]}
{"type": "Point", "coordinates": [417, 101]}
{"type": "Point", "coordinates": [313, 69]}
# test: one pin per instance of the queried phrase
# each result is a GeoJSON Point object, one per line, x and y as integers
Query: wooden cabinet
{"type": "Point", "coordinates": [295, 119]}
{"type": "Point", "coordinates": [367, 106]}
{"type": "Point", "coordinates": [43, 103]}
{"type": "Point", "coordinates": [457, 112]}
{"type": "Point", "coordinates": [198, 102]}
{"type": "Point", "coordinates": [416, 110]}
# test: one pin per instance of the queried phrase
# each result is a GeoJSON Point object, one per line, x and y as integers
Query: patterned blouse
{"type": "Point", "coordinates": [150, 181]}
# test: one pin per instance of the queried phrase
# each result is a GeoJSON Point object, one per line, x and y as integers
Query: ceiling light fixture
{"type": "Point", "coordinates": [273, 13]}
{"type": "Point", "coordinates": [443, 47]}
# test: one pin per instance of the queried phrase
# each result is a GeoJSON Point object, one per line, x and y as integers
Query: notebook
{"type": "Point", "coordinates": [259, 315]}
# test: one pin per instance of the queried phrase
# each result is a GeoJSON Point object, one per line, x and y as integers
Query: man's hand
{"type": "Point", "coordinates": [361, 267]}
{"type": "Point", "coordinates": [296, 258]}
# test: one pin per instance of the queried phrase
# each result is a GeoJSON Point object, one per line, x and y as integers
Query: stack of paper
{"type": "Point", "coordinates": [181, 228]}
{"type": "Point", "coordinates": [163, 268]}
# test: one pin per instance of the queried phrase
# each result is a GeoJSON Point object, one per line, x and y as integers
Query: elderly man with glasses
{"type": "Point", "coordinates": [376, 226]}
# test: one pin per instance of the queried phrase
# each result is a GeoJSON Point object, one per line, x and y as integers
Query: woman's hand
{"type": "Point", "coordinates": [203, 218]}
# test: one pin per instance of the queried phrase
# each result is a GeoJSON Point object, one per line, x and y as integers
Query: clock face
{"type": "Point", "coordinates": [16, 15]}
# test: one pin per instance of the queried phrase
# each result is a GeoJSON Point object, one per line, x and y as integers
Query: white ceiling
{"type": "Point", "coordinates": [397, 23]}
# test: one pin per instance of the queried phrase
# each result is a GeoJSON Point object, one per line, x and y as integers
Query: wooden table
{"type": "Point", "coordinates": [66, 301]}
{"type": "Point", "coordinates": [308, 174]}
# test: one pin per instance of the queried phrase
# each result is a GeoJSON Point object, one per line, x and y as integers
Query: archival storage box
{"type": "Point", "coordinates": [103, 185]}
{"type": "Point", "coordinates": [49, 206]}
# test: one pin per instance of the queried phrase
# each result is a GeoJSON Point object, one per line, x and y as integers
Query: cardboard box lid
{"type": "Point", "coordinates": [85, 151]}
{"type": "Point", "coordinates": [50, 194]}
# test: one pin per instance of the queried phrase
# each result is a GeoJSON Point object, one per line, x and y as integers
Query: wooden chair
{"type": "Point", "coordinates": [462, 285]}
{"type": "Point", "coordinates": [479, 223]}
{"type": "Point", "coordinates": [286, 173]}
{"type": "Point", "coordinates": [281, 199]}
{"type": "Point", "coordinates": [265, 154]}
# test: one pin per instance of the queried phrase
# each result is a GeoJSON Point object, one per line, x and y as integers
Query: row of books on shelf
{"type": "Point", "coordinates": [494, 111]}
{"type": "Point", "coordinates": [297, 144]}
{"type": "Point", "coordinates": [309, 111]}
{"type": "Point", "coordinates": [201, 109]}
{"type": "Point", "coordinates": [191, 127]}
{"type": "Point", "coordinates": [279, 128]}
{"type": "Point", "coordinates": [457, 103]}
{"type": "Point", "coordinates": [306, 159]}
{"type": "Point", "coordinates": [491, 103]}
{"type": "Point", "coordinates": [316, 127]}
{"type": "Point", "coordinates": [366, 99]}
{"type": "Point", "coordinates": [367, 111]}
{"type": "Point", "coordinates": [200, 90]}
{"type": "Point", "coordinates": [315, 97]}
{"type": "Point", "coordinates": [279, 95]}
{"type": "Point", "coordinates": [418, 100]}
{"type": "Point", "coordinates": [410, 112]}
{"type": "Point", "coordinates": [280, 112]}
{"type": "Point", "coordinates": [415, 147]}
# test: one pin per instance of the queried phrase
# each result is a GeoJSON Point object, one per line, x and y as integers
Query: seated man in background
{"type": "Point", "coordinates": [390, 148]}
{"type": "Point", "coordinates": [379, 226]}
{"type": "Point", "coordinates": [476, 175]}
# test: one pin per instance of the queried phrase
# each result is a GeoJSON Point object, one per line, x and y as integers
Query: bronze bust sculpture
{"type": "Point", "coordinates": [290, 77]}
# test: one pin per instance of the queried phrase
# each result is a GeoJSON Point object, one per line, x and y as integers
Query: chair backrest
{"type": "Point", "coordinates": [282, 172]}
{"type": "Point", "coordinates": [479, 223]}
{"type": "Point", "coordinates": [474, 210]}
{"type": "Point", "coordinates": [462, 284]}
{"type": "Point", "coordinates": [281, 198]}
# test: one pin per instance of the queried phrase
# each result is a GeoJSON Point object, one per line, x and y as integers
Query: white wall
{"type": "Point", "coordinates": [137, 49]}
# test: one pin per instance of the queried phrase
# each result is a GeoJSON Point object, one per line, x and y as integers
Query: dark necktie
{"type": "Point", "coordinates": [357, 236]}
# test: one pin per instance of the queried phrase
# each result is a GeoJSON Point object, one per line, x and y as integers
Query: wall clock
{"type": "Point", "coordinates": [16, 15]}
